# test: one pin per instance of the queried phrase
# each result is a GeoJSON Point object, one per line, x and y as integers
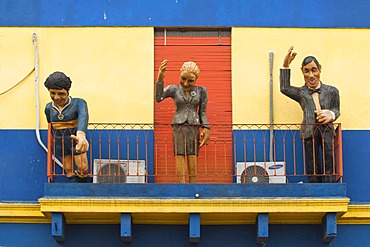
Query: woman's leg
{"type": "Point", "coordinates": [180, 168]}
{"type": "Point", "coordinates": [193, 161]}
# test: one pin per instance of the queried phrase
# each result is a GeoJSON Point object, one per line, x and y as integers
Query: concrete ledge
{"type": "Point", "coordinates": [190, 190]}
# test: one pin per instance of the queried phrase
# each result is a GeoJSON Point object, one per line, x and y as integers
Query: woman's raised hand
{"type": "Point", "coordinates": [162, 70]}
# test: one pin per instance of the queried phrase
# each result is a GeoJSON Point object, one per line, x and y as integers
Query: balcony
{"type": "Point", "coordinates": [247, 174]}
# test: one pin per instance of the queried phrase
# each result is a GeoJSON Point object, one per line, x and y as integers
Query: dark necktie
{"type": "Point", "coordinates": [314, 92]}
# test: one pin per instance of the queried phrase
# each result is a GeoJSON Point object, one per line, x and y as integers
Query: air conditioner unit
{"type": "Point", "coordinates": [123, 171]}
{"type": "Point", "coordinates": [260, 172]}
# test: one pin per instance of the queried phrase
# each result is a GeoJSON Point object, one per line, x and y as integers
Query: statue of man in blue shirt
{"type": "Point", "coordinates": [69, 119]}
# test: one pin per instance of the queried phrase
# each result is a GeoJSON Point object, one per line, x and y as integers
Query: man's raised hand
{"type": "Point", "coordinates": [289, 57]}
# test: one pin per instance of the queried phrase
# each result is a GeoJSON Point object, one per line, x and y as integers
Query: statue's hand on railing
{"type": "Point", "coordinates": [82, 145]}
{"type": "Point", "coordinates": [204, 137]}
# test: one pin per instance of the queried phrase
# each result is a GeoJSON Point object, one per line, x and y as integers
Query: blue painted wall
{"type": "Point", "coordinates": [22, 166]}
{"type": "Point", "coordinates": [22, 177]}
{"type": "Point", "coordinates": [356, 168]}
{"type": "Point", "coordinates": [31, 235]}
{"type": "Point", "coordinates": [265, 13]}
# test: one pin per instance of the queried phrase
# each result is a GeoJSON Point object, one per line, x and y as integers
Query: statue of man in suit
{"type": "Point", "coordinates": [189, 118]}
{"type": "Point", "coordinates": [321, 107]}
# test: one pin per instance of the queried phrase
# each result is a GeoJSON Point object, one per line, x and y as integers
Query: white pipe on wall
{"type": "Point", "coordinates": [37, 129]}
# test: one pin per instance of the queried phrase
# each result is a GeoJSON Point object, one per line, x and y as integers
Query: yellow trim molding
{"type": "Point", "coordinates": [356, 214]}
{"type": "Point", "coordinates": [224, 205]}
{"type": "Point", "coordinates": [176, 211]}
{"type": "Point", "coordinates": [22, 213]}
{"type": "Point", "coordinates": [225, 211]}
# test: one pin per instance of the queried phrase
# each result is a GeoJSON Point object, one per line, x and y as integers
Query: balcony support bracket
{"type": "Point", "coordinates": [58, 222]}
{"type": "Point", "coordinates": [194, 227]}
{"type": "Point", "coordinates": [126, 226]}
{"type": "Point", "coordinates": [262, 222]}
{"type": "Point", "coordinates": [329, 223]}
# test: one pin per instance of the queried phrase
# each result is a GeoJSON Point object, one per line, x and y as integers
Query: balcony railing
{"type": "Point", "coordinates": [237, 153]}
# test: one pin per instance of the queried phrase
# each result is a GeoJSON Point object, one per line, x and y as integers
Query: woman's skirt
{"type": "Point", "coordinates": [185, 139]}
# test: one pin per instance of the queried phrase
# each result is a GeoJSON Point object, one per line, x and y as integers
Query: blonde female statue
{"type": "Point", "coordinates": [189, 118]}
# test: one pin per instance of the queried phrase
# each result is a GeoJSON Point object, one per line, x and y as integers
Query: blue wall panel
{"type": "Point", "coordinates": [177, 235]}
{"type": "Point", "coordinates": [23, 164]}
{"type": "Point", "coordinates": [216, 13]}
{"type": "Point", "coordinates": [356, 164]}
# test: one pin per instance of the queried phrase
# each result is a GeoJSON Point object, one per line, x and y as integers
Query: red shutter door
{"type": "Point", "coordinates": [212, 53]}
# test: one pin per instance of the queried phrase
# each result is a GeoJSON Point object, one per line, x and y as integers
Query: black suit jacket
{"type": "Point", "coordinates": [329, 99]}
{"type": "Point", "coordinates": [192, 110]}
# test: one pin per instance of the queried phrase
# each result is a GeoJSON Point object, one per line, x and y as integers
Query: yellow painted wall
{"type": "Point", "coordinates": [112, 68]}
{"type": "Point", "coordinates": [343, 53]}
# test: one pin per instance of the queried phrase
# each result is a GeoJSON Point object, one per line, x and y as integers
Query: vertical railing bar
{"type": "Point", "coordinates": [109, 156]}
{"type": "Point", "coordinates": [63, 158]}
{"type": "Point", "coordinates": [100, 152]}
{"type": "Point", "coordinates": [254, 154]}
{"type": "Point", "coordinates": [323, 155]}
{"type": "Point", "coordinates": [118, 152]}
{"type": "Point", "coordinates": [264, 154]}
{"type": "Point", "coordinates": [137, 153]}
{"type": "Point", "coordinates": [225, 160]}
{"type": "Point", "coordinates": [49, 155]}
{"type": "Point", "coordinates": [340, 147]}
{"type": "Point", "coordinates": [146, 157]}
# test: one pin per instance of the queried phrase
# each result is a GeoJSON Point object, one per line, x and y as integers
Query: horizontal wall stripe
{"type": "Point", "coordinates": [23, 176]}
{"type": "Point", "coordinates": [356, 214]}
{"type": "Point", "coordinates": [335, 49]}
{"type": "Point", "coordinates": [177, 235]}
{"type": "Point", "coordinates": [218, 13]}
{"type": "Point", "coordinates": [22, 213]}
{"type": "Point", "coordinates": [107, 69]}
{"type": "Point", "coordinates": [31, 213]}
{"type": "Point", "coordinates": [213, 205]}
{"type": "Point", "coordinates": [130, 53]}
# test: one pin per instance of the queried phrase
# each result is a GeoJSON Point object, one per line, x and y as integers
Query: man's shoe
{"type": "Point", "coordinates": [73, 179]}
{"type": "Point", "coordinates": [81, 178]}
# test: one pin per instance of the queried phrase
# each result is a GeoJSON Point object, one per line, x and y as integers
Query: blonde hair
{"type": "Point", "coordinates": [191, 67]}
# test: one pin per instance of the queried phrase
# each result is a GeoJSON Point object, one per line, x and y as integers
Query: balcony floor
{"type": "Point", "coordinates": [172, 203]}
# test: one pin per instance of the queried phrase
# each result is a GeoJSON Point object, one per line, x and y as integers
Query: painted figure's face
{"type": "Point", "coordinates": [187, 80]}
{"type": "Point", "coordinates": [311, 74]}
{"type": "Point", "coordinates": [59, 96]}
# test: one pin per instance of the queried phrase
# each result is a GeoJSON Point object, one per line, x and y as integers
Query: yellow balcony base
{"type": "Point", "coordinates": [176, 211]}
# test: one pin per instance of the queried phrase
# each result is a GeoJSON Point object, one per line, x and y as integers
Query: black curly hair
{"type": "Point", "coordinates": [58, 80]}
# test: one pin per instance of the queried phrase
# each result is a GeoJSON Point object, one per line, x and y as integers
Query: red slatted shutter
{"type": "Point", "coordinates": [211, 50]}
